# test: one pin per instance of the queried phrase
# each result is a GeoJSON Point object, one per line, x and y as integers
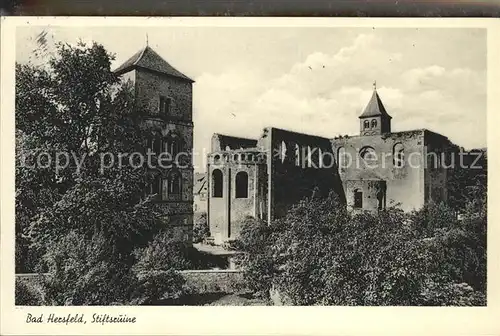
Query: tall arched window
{"type": "Point", "coordinates": [366, 124]}
{"type": "Point", "coordinates": [173, 147]}
{"type": "Point", "coordinates": [309, 156]}
{"type": "Point", "coordinates": [174, 183]}
{"type": "Point", "coordinates": [341, 158]}
{"type": "Point", "coordinates": [217, 183]}
{"type": "Point", "coordinates": [241, 185]}
{"type": "Point", "coordinates": [282, 151]}
{"type": "Point", "coordinates": [358, 199]}
{"type": "Point", "coordinates": [374, 123]}
{"type": "Point", "coordinates": [398, 155]}
{"type": "Point", "coordinates": [155, 145]}
{"type": "Point", "coordinates": [297, 155]}
{"type": "Point", "coordinates": [156, 186]}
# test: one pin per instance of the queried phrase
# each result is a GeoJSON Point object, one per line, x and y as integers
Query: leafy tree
{"type": "Point", "coordinates": [82, 111]}
{"type": "Point", "coordinates": [467, 178]}
{"type": "Point", "coordinates": [321, 254]}
{"type": "Point", "coordinates": [85, 220]}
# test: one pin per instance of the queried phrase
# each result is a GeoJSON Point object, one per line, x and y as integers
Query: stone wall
{"type": "Point", "coordinates": [299, 164]}
{"type": "Point", "coordinates": [405, 185]}
{"type": "Point", "coordinates": [200, 281]}
{"type": "Point", "coordinates": [214, 281]}
{"type": "Point", "coordinates": [227, 213]}
{"type": "Point", "coordinates": [438, 151]}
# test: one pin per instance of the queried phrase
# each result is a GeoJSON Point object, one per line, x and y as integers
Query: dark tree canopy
{"type": "Point", "coordinates": [79, 221]}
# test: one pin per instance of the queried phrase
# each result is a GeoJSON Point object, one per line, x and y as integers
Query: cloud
{"type": "Point", "coordinates": [320, 85]}
{"type": "Point", "coordinates": [325, 93]}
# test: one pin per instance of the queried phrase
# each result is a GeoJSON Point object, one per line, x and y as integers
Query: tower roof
{"type": "Point", "coordinates": [374, 107]}
{"type": "Point", "coordinates": [147, 58]}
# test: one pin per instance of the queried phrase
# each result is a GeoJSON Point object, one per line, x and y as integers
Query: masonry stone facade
{"type": "Point", "coordinates": [264, 177]}
{"type": "Point", "coordinates": [166, 95]}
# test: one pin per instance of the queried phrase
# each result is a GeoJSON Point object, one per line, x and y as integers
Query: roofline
{"type": "Point", "coordinates": [233, 136]}
{"type": "Point", "coordinates": [296, 132]}
{"type": "Point", "coordinates": [378, 115]}
{"type": "Point", "coordinates": [134, 67]}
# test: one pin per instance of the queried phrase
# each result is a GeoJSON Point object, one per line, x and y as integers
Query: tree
{"type": "Point", "coordinates": [322, 254]}
{"type": "Point", "coordinates": [85, 220]}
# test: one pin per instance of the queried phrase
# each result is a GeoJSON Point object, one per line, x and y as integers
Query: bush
{"type": "Point", "coordinates": [319, 254]}
{"type": "Point", "coordinates": [85, 272]}
{"type": "Point", "coordinates": [200, 228]}
{"type": "Point", "coordinates": [163, 254]}
{"type": "Point", "coordinates": [154, 286]}
{"type": "Point", "coordinates": [26, 295]}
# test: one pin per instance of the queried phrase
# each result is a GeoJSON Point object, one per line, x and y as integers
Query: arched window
{"type": "Point", "coordinates": [374, 123]}
{"type": "Point", "coordinates": [358, 199]}
{"type": "Point", "coordinates": [156, 186]}
{"type": "Point", "coordinates": [368, 154]}
{"type": "Point", "coordinates": [297, 155]}
{"type": "Point", "coordinates": [241, 185]}
{"type": "Point", "coordinates": [217, 183]}
{"type": "Point", "coordinates": [366, 124]}
{"type": "Point", "coordinates": [174, 183]}
{"type": "Point", "coordinates": [155, 145]}
{"type": "Point", "coordinates": [282, 151]}
{"type": "Point", "coordinates": [173, 147]}
{"type": "Point", "coordinates": [341, 158]}
{"type": "Point", "coordinates": [398, 155]}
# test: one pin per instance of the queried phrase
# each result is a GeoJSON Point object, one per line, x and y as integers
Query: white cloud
{"type": "Point", "coordinates": [320, 85]}
{"type": "Point", "coordinates": [324, 94]}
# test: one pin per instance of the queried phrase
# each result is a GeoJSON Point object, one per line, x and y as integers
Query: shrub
{"type": "Point", "coordinates": [154, 286]}
{"type": "Point", "coordinates": [163, 253]}
{"type": "Point", "coordinates": [85, 272]}
{"type": "Point", "coordinates": [200, 227]}
{"type": "Point", "coordinates": [26, 295]}
{"type": "Point", "coordinates": [319, 254]}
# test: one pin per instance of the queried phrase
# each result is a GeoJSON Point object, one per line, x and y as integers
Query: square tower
{"type": "Point", "coordinates": [165, 94]}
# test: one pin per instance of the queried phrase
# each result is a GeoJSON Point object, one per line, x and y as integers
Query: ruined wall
{"type": "Point", "coordinates": [226, 213]}
{"type": "Point", "coordinates": [405, 185]}
{"type": "Point", "coordinates": [370, 190]}
{"type": "Point", "coordinates": [222, 142]}
{"type": "Point", "coordinates": [438, 151]}
{"type": "Point", "coordinates": [299, 163]}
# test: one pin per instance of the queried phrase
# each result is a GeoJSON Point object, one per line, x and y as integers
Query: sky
{"type": "Point", "coordinates": [312, 80]}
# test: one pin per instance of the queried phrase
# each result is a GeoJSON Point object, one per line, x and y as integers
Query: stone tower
{"type": "Point", "coordinates": [166, 95]}
{"type": "Point", "coordinates": [375, 120]}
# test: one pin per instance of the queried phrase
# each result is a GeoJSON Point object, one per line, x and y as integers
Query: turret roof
{"type": "Point", "coordinates": [147, 58]}
{"type": "Point", "coordinates": [374, 107]}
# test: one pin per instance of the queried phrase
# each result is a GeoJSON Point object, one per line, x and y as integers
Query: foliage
{"type": "Point", "coordinates": [201, 229]}
{"type": "Point", "coordinates": [467, 178]}
{"type": "Point", "coordinates": [321, 254]}
{"type": "Point", "coordinates": [26, 295]}
{"type": "Point", "coordinates": [155, 285]}
{"type": "Point", "coordinates": [84, 220]}
{"type": "Point", "coordinates": [84, 272]}
{"type": "Point", "coordinates": [163, 253]}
